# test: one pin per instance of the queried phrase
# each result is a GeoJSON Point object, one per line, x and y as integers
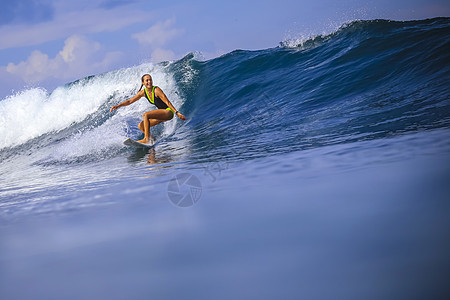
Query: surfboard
{"type": "Point", "coordinates": [133, 143]}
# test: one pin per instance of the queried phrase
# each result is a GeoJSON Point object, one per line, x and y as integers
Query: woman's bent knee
{"type": "Point", "coordinates": [159, 114]}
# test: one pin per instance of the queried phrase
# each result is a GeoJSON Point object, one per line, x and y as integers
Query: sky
{"type": "Point", "coordinates": [47, 43]}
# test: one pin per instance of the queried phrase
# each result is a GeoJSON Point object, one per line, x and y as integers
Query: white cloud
{"type": "Point", "coordinates": [159, 34]}
{"type": "Point", "coordinates": [80, 56]}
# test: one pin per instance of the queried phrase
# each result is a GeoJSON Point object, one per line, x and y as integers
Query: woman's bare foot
{"type": "Point", "coordinates": [150, 141]}
{"type": "Point", "coordinates": [143, 141]}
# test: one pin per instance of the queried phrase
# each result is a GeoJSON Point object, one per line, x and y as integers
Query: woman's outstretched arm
{"type": "Point", "coordinates": [138, 96]}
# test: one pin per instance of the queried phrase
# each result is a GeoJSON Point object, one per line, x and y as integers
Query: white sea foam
{"type": "Point", "coordinates": [35, 112]}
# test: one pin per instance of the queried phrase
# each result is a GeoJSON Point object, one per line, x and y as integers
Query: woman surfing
{"type": "Point", "coordinates": [155, 96]}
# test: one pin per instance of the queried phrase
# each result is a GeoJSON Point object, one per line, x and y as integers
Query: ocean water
{"type": "Point", "coordinates": [318, 169]}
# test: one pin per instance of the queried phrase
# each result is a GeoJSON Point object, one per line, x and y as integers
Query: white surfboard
{"type": "Point", "coordinates": [133, 143]}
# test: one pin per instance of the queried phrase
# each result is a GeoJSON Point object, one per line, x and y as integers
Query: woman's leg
{"type": "Point", "coordinates": [152, 118]}
{"type": "Point", "coordinates": [152, 122]}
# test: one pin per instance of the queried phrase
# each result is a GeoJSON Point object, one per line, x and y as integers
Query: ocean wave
{"type": "Point", "coordinates": [366, 80]}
